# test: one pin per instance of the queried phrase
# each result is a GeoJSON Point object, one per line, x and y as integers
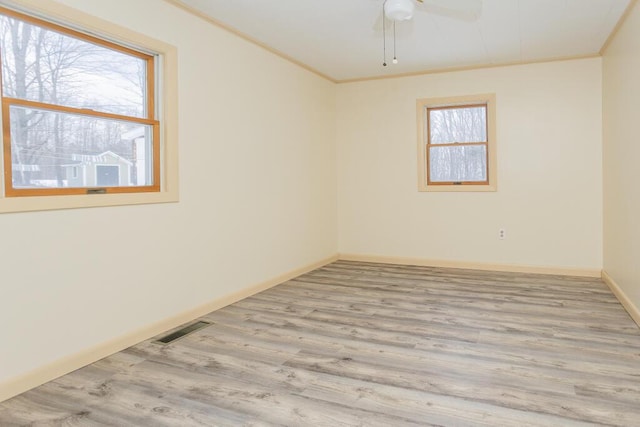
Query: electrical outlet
{"type": "Point", "coordinates": [502, 234]}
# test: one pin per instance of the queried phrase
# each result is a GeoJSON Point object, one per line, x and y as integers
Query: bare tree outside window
{"type": "Point", "coordinates": [457, 144]}
{"type": "Point", "coordinates": [76, 106]}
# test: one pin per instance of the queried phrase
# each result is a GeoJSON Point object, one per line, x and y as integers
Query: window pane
{"type": "Point", "coordinates": [46, 66]}
{"type": "Point", "coordinates": [59, 150]}
{"type": "Point", "coordinates": [458, 163]}
{"type": "Point", "coordinates": [450, 125]}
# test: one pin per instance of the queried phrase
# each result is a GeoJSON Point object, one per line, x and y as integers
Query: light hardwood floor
{"type": "Point", "coordinates": [373, 345]}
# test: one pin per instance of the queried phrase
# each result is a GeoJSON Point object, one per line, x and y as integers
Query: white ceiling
{"type": "Point", "coordinates": [342, 39]}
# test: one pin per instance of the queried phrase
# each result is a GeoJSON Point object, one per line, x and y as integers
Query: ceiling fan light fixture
{"type": "Point", "coordinates": [399, 10]}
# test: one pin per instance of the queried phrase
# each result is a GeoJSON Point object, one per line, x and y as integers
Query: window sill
{"type": "Point", "coordinates": [44, 203]}
{"type": "Point", "coordinates": [457, 188]}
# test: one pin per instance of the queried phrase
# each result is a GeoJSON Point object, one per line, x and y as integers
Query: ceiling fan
{"type": "Point", "coordinates": [397, 11]}
{"type": "Point", "coordinates": [403, 10]}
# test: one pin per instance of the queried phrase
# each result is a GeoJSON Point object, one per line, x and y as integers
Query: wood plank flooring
{"type": "Point", "coordinates": [360, 344]}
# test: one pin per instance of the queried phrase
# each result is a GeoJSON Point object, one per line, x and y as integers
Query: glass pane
{"type": "Point", "coordinates": [61, 150]}
{"type": "Point", "coordinates": [458, 163]}
{"type": "Point", "coordinates": [45, 66]}
{"type": "Point", "coordinates": [450, 125]}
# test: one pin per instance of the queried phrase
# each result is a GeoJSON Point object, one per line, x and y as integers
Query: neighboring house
{"type": "Point", "coordinates": [98, 170]}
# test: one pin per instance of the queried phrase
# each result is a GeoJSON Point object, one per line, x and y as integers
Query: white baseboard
{"type": "Point", "coordinates": [562, 271]}
{"type": "Point", "coordinates": [626, 302]}
{"type": "Point", "coordinates": [63, 366]}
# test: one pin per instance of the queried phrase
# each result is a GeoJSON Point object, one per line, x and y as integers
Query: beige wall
{"type": "Point", "coordinates": [257, 199]}
{"type": "Point", "coordinates": [549, 195]}
{"type": "Point", "coordinates": [621, 71]}
{"type": "Point", "coordinates": [259, 193]}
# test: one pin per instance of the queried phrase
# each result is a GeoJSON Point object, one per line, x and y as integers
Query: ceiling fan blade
{"type": "Point", "coordinates": [464, 10]}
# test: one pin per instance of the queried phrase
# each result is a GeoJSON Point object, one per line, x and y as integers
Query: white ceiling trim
{"type": "Point", "coordinates": [537, 35]}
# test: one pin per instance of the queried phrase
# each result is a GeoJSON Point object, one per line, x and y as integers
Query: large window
{"type": "Point", "coordinates": [456, 140]}
{"type": "Point", "coordinates": [78, 112]}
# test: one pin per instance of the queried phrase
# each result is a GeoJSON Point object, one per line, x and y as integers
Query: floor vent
{"type": "Point", "coordinates": [182, 332]}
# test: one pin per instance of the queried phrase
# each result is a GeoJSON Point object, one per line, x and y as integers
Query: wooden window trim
{"type": "Point", "coordinates": [457, 144]}
{"type": "Point", "coordinates": [36, 105]}
{"type": "Point", "coordinates": [423, 142]}
{"type": "Point", "coordinates": [149, 119]}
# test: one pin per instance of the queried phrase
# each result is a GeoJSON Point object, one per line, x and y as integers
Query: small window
{"type": "Point", "coordinates": [456, 140]}
{"type": "Point", "coordinates": [72, 101]}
